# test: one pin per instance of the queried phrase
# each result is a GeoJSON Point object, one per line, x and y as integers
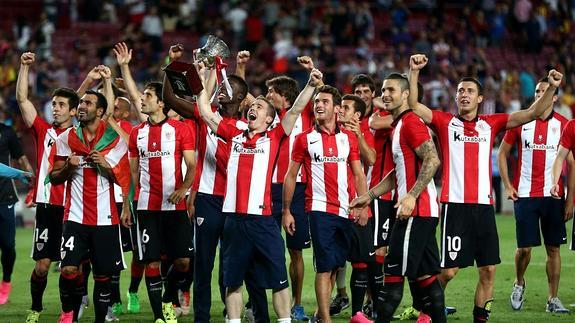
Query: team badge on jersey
{"type": "Point", "coordinates": [453, 255]}
{"type": "Point", "coordinates": [200, 221]}
{"type": "Point", "coordinates": [40, 246]}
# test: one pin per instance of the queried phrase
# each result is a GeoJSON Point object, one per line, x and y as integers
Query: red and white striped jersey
{"type": "Point", "coordinates": [159, 148]}
{"type": "Point", "coordinates": [127, 127]}
{"type": "Point", "coordinates": [303, 122]}
{"type": "Point", "coordinates": [326, 161]}
{"type": "Point", "coordinates": [45, 136]}
{"type": "Point", "coordinates": [213, 155]}
{"type": "Point", "coordinates": [568, 136]}
{"type": "Point", "coordinates": [466, 155]}
{"type": "Point", "coordinates": [89, 195]}
{"type": "Point", "coordinates": [383, 161]}
{"type": "Point", "coordinates": [250, 167]}
{"type": "Point", "coordinates": [538, 143]}
{"type": "Point", "coordinates": [409, 133]}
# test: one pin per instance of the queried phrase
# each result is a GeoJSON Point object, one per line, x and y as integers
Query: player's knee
{"type": "Point", "coordinates": [153, 265]}
{"type": "Point", "coordinates": [523, 252]}
{"type": "Point", "coordinates": [295, 255]}
{"type": "Point", "coordinates": [42, 267]}
{"type": "Point", "coordinates": [70, 270]}
{"type": "Point", "coordinates": [487, 273]}
{"type": "Point", "coordinates": [552, 251]}
{"type": "Point", "coordinates": [448, 274]}
{"type": "Point", "coordinates": [182, 264]}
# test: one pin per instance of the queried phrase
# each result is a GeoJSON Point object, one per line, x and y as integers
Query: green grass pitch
{"type": "Point", "coordinates": [459, 292]}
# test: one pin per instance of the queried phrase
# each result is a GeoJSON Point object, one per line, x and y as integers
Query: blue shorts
{"type": "Point", "coordinates": [301, 239]}
{"type": "Point", "coordinates": [536, 215]}
{"type": "Point", "coordinates": [253, 242]}
{"type": "Point", "coordinates": [332, 239]}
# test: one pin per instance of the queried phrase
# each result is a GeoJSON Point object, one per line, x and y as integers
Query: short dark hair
{"type": "Point", "coordinates": [101, 100]}
{"type": "Point", "coordinates": [241, 84]}
{"type": "Point", "coordinates": [546, 80]}
{"type": "Point", "coordinates": [335, 95]}
{"type": "Point", "coordinates": [358, 104]}
{"type": "Point", "coordinates": [68, 93]}
{"type": "Point", "coordinates": [284, 86]}
{"type": "Point", "coordinates": [474, 80]}
{"type": "Point", "coordinates": [403, 81]}
{"type": "Point", "coordinates": [362, 79]}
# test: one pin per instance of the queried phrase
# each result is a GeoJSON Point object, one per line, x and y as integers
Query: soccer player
{"type": "Point", "coordinates": [90, 158]}
{"type": "Point", "coordinates": [49, 198]}
{"type": "Point", "coordinates": [537, 144]}
{"type": "Point", "coordinates": [413, 249]}
{"type": "Point", "coordinates": [206, 199]}
{"type": "Point", "coordinates": [469, 231]}
{"type": "Point", "coordinates": [362, 255]}
{"type": "Point", "coordinates": [157, 148]}
{"type": "Point", "coordinates": [282, 92]}
{"type": "Point", "coordinates": [327, 149]}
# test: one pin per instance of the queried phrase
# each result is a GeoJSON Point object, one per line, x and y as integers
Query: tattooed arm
{"type": "Point", "coordinates": [427, 152]}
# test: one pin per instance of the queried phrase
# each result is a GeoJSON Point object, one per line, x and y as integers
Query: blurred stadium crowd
{"type": "Point", "coordinates": [507, 44]}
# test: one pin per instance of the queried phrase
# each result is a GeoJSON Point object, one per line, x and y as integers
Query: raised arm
{"type": "Point", "coordinates": [379, 122]}
{"type": "Point", "coordinates": [210, 118]}
{"type": "Point", "coordinates": [111, 99]}
{"type": "Point", "coordinates": [26, 107]}
{"type": "Point", "coordinates": [124, 56]}
{"type": "Point", "coordinates": [92, 76]}
{"type": "Point", "coordinates": [301, 101]}
{"type": "Point", "coordinates": [504, 150]}
{"type": "Point", "coordinates": [416, 63]}
{"type": "Point", "coordinates": [430, 162]}
{"type": "Point", "coordinates": [536, 109]}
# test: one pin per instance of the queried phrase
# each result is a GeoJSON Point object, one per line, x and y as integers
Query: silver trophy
{"type": "Point", "coordinates": [213, 47]}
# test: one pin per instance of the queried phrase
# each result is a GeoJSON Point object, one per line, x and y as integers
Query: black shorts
{"type": "Point", "coordinates": [301, 238]}
{"type": "Point", "coordinates": [100, 243]}
{"type": "Point", "coordinates": [129, 235]}
{"type": "Point", "coordinates": [362, 248]}
{"type": "Point", "coordinates": [468, 234]}
{"type": "Point", "coordinates": [253, 243]}
{"type": "Point", "coordinates": [47, 232]}
{"type": "Point", "coordinates": [164, 232]}
{"type": "Point", "coordinates": [331, 235]}
{"type": "Point", "coordinates": [529, 212]}
{"type": "Point", "coordinates": [413, 251]}
{"type": "Point", "coordinates": [384, 218]}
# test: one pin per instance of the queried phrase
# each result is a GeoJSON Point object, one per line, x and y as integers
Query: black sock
{"type": "Point", "coordinates": [67, 284]}
{"type": "Point", "coordinates": [375, 272]}
{"type": "Point", "coordinates": [101, 295]}
{"type": "Point", "coordinates": [80, 289]}
{"type": "Point", "coordinates": [86, 270]}
{"type": "Point", "coordinates": [481, 314]}
{"type": "Point", "coordinates": [358, 285]}
{"type": "Point", "coordinates": [187, 284]}
{"type": "Point", "coordinates": [37, 287]}
{"type": "Point", "coordinates": [432, 299]}
{"type": "Point", "coordinates": [137, 272]}
{"type": "Point", "coordinates": [115, 288]}
{"type": "Point", "coordinates": [154, 286]}
{"type": "Point", "coordinates": [8, 258]}
{"type": "Point", "coordinates": [415, 295]}
{"type": "Point", "coordinates": [173, 282]}
{"type": "Point", "coordinates": [389, 298]}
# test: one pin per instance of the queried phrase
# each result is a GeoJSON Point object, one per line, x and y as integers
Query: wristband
{"type": "Point", "coordinates": [371, 194]}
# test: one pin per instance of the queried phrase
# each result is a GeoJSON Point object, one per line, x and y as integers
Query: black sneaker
{"type": "Point", "coordinates": [450, 310]}
{"type": "Point", "coordinates": [338, 304]}
{"type": "Point", "coordinates": [367, 309]}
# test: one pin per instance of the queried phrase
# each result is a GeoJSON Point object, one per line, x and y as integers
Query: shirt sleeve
{"type": "Point", "coordinates": [132, 144]}
{"type": "Point", "coordinates": [498, 121]}
{"type": "Point", "coordinates": [439, 119]}
{"type": "Point", "coordinates": [227, 130]}
{"type": "Point", "coordinates": [511, 136]}
{"type": "Point", "coordinates": [40, 125]}
{"type": "Point", "coordinates": [567, 136]}
{"type": "Point", "coordinates": [353, 147]}
{"type": "Point", "coordinates": [417, 132]}
{"type": "Point", "coordinates": [298, 148]}
{"type": "Point", "coordinates": [62, 148]}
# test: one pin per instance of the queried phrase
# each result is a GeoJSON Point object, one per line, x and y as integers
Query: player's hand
{"type": "Point", "coordinates": [27, 58]}
{"type": "Point", "coordinates": [123, 54]}
{"type": "Point", "coordinates": [176, 51]}
{"type": "Point", "coordinates": [126, 217]}
{"type": "Point", "coordinates": [360, 216]}
{"type": "Point", "coordinates": [354, 126]}
{"type": "Point", "coordinates": [25, 177]}
{"type": "Point", "coordinates": [243, 57]}
{"type": "Point", "coordinates": [306, 62]}
{"type": "Point", "coordinates": [511, 193]}
{"type": "Point", "coordinates": [405, 206]}
{"type": "Point", "coordinates": [555, 78]}
{"type": "Point", "coordinates": [360, 202]}
{"type": "Point", "coordinates": [105, 72]}
{"type": "Point", "coordinates": [94, 74]}
{"type": "Point", "coordinates": [555, 192]}
{"type": "Point", "coordinates": [191, 209]}
{"type": "Point", "coordinates": [178, 195]}
{"type": "Point", "coordinates": [201, 68]}
{"type": "Point", "coordinates": [288, 222]}
{"type": "Point", "coordinates": [568, 210]}
{"type": "Point", "coordinates": [417, 62]}
{"type": "Point", "coordinates": [99, 159]}
{"type": "Point", "coordinates": [315, 78]}
{"type": "Point", "coordinates": [73, 160]}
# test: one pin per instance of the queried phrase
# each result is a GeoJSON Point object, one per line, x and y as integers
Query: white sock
{"type": "Point", "coordinates": [234, 321]}
{"type": "Point", "coordinates": [285, 320]}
